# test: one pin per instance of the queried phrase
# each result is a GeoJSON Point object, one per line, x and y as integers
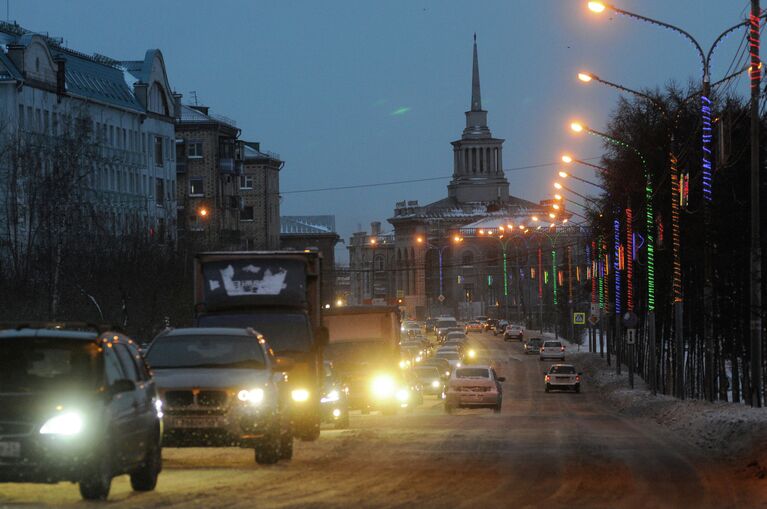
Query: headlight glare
{"type": "Point", "coordinates": [299, 395]}
{"type": "Point", "coordinates": [472, 354]}
{"type": "Point", "coordinates": [383, 386]}
{"type": "Point", "coordinates": [403, 395]}
{"type": "Point", "coordinates": [331, 396]}
{"type": "Point", "coordinates": [253, 396]}
{"type": "Point", "coordinates": [435, 383]}
{"type": "Point", "coordinates": [68, 423]}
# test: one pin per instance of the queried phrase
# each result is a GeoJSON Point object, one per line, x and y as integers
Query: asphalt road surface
{"type": "Point", "coordinates": [543, 450]}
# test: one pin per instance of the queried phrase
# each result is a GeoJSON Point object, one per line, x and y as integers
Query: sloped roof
{"type": "Point", "coordinates": [307, 224]}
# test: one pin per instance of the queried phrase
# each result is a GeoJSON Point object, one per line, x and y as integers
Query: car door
{"type": "Point", "coordinates": [121, 413]}
{"type": "Point", "coordinates": [495, 380]}
{"type": "Point", "coordinates": [140, 403]}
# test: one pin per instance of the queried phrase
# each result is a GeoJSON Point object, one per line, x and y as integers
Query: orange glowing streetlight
{"type": "Point", "coordinates": [567, 159]}
{"type": "Point", "coordinates": [597, 7]}
{"type": "Point", "coordinates": [419, 239]}
{"type": "Point", "coordinates": [564, 174]}
{"type": "Point", "coordinates": [557, 185]}
{"type": "Point", "coordinates": [576, 126]}
{"type": "Point", "coordinates": [203, 212]}
{"type": "Point", "coordinates": [457, 238]}
{"type": "Point", "coordinates": [585, 76]}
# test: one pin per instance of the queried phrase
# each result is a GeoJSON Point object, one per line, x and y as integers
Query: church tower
{"type": "Point", "coordinates": [477, 157]}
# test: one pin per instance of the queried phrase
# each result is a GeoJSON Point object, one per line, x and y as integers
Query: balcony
{"type": "Point", "coordinates": [226, 166]}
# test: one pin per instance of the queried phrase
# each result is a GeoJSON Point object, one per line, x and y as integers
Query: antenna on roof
{"type": "Point", "coordinates": [193, 93]}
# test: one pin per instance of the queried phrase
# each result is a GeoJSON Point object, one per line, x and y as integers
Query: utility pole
{"type": "Point", "coordinates": [756, 254]}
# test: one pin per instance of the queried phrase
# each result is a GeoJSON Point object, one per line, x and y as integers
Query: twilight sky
{"type": "Point", "coordinates": [357, 92]}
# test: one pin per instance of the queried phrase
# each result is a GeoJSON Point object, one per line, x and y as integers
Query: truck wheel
{"type": "Point", "coordinates": [268, 451]}
{"type": "Point", "coordinates": [343, 422]}
{"type": "Point", "coordinates": [145, 478]}
{"type": "Point", "coordinates": [96, 485]}
{"type": "Point", "coordinates": [310, 435]}
{"type": "Point", "coordinates": [548, 387]}
{"type": "Point", "coordinates": [286, 445]}
{"type": "Point", "coordinates": [577, 389]}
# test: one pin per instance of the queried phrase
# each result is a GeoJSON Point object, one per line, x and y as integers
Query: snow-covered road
{"type": "Point", "coordinates": [543, 450]}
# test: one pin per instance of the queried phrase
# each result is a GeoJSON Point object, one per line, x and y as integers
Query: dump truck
{"type": "Point", "coordinates": [363, 345]}
{"type": "Point", "coordinates": [277, 293]}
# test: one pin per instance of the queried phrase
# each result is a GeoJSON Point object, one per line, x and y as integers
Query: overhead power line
{"type": "Point", "coordinates": [411, 181]}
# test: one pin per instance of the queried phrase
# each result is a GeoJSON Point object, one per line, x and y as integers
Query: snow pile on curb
{"type": "Point", "coordinates": [722, 430]}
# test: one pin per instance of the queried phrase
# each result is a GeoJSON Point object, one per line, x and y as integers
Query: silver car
{"type": "Point", "coordinates": [223, 386]}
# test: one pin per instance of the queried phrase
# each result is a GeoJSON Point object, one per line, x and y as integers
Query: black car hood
{"type": "Point", "coordinates": [32, 407]}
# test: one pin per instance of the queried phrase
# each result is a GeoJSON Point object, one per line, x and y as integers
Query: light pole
{"type": "Point", "coordinates": [456, 239]}
{"type": "Point", "coordinates": [504, 237]}
{"type": "Point", "coordinates": [707, 179]}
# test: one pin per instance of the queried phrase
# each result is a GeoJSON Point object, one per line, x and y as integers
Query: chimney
{"type": "Point", "coordinates": [177, 104]}
{"type": "Point", "coordinates": [61, 78]}
{"type": "Point", "coordinates": [375, 228]}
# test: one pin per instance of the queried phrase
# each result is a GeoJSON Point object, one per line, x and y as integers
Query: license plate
{"type": "Point", "coordinates": [471, 397]}
{"type": "Point", "coordinates": [193, 422]}
{"type": "Point", "coordinates": [10, 449]}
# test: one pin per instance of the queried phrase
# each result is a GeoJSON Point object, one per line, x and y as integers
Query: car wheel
{"type": "Point", "coordinates": [540, 359]}
{"type": "Point", "coordinates": [268, 451]}
{"type": "Point", "coordinates": [96, 485]}
{"type": "Point", "coordinates": [145, 478]}
{"type": "Point", "coordinates": [343, 422]}
{"type": "Point", "coordinates": [497, 408]}
{"type": "Point", "coordinates": [310, 435]}
{"type": "Point", "coordinates": [286, 445]}
{"type": "Point", "coordinates": [548, 387]}
{"type": "Point", "coordinates": [577, 389]}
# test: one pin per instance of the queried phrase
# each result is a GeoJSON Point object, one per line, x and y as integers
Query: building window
{"type": "Point", "coordinates": [160, 191]}
{"type": "Point", "coordinates": [247, 213]}
{"type": "Point", "coordinates": [246, 181]}
{"type": "Point", "coordinates": [158, 151]}
{"type": "Point", "coordinates": [194, 150]}
{"type": "Point", "coordinates": [196, 187]}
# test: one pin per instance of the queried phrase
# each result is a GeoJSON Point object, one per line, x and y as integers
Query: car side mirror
{"type": "Point", "coordinates": [122, 385]}
{"type": "Point", "coordinates": [322, 336]}
{"type": "Point", "coordinates": [282, 364]}
{"type": "Point", "coordinates": [501, 378]}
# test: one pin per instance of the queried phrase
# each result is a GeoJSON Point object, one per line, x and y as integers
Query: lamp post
{"type": "Point", "coordinates": [650, 244]}
{"type": "Point", "coordinates": [456, 239]}
{"type": "Point", "coordinates": [707, 164]}
{"type": "Point", "coordinates": [504, 237]}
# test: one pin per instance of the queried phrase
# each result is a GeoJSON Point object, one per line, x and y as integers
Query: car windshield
{"type": "Point", "coordinates": [285, 332]}
{"type": "Point", "coordinates": [44, 364]}
{"type": "Point", "coordinates": [427, 372]}
{"type": "Point", "coordinates": [552, 344]}
{"type": "Point", "coordinates": [533, 341]}
{"type": "Point", "coordinates": [563, 370]}
{"type": "Point", "coordinates": [453, 356]}
{"type": "Point", "coordinates": [472, 373]}
{"type": "Point", "coordinates": [206, 351]}
{"type": "Point", "coordinates": [441, 324]}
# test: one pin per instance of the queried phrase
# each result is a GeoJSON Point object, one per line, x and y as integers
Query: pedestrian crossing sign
{"type": "Point", "coordinates": [579, 318]}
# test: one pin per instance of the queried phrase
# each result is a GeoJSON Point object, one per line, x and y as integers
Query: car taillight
{"type": "Point", "coordinates": [562, 349]}
{"type": "Point", "coordinates": [541, 349]}
{"type": "Point", "coordinates": [577, 378]}
{"type": "Point", "coordinates": [548, 378]}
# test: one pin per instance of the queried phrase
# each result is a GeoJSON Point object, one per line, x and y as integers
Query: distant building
{"type": "Point", "coordinates": [228, 191]}
{"type": "Point", "coordinates": [130, 183]}
{"type": "Point", "coordinates": [448, 256]}
{"type": "Point", "coordinates": [314, 232]}
{"type": "Point", "coordinates": [373, 271]}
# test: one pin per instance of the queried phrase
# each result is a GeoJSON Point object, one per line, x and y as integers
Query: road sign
{"type": "Point", "coordinates": [631, 336]}
{"type": "Point", "coordinates": [579, 318]}
{"type": "Point", "coordinates": [593, 319]}
{"type": "Point", "coordinates": [594, 309]}
{"type": "Point", "coordinates": [441, 298]}
{"type": "Point", "coordinates": [630, 320]}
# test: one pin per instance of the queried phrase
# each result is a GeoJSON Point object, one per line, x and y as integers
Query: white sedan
{"type": "Point", "coordinates": [563, 377]}
{"type": "Point", "coordinates": [552, 349]}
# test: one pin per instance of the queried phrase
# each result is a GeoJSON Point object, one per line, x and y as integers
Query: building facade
{"type": "Point", "coordinates": [454, 256]}
{"type": "Point", "coordinates": [123, 113]}
{"type": "Point", "coordinates": [228, 189]}
{"type": "Point", "coordinates": [372, 270]}
{"type": "Point", "coordinates": [314, 232]}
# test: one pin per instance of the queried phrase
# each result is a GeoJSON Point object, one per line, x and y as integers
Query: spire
{"type": "Point", "coordinates": [476, 97]}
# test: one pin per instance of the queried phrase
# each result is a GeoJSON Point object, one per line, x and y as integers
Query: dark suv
{"type": "Point", "coordinates": [77, 406]}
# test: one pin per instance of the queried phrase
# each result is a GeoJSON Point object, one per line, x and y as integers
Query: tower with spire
{"type": "Point", "coordinates": [477, 157]}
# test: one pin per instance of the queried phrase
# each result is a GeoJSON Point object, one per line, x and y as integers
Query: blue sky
{"type": "Point", "coordinates": [356, 91]}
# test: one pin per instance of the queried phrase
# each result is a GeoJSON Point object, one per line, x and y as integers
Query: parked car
{"type": "Point", "coordinates": [513, 332]}
{"type": "Point", "coordinates": [473, 326]}
{"type": "Point", "coordinates": [499, 327]}
{"type": "Point", "coordinates": [475, 386]}
{"type": "Point", "coordinates": [223, 386]}
{"type": "Point", "coordinates": [562, 376]}
{"type": "Point", "coordinates": [533, 346]}
{"type": "Point", "coordinates": [77, 406]}
{"type": "Point", "coordinates": [552, 349]}
{"type": "Point", "coordinates": [334, 402]}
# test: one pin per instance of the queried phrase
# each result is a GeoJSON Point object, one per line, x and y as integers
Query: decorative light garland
{"type": "Point", "coordinates": [629, 261]}
{"type": "Point", "coordinates": [616, 265]}
{"type": "Point", "coordinates": [554, 273]}
{"type": "Point", "coordinates": [706, 138]}
{"type": "Point", "coordinates": [675, 233]}
{"type": "Point", "coordinates": [540, 274]}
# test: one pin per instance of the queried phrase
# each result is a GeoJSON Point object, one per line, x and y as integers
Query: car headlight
{"type": "Point", "coordinates": [418, 358]}
{"type": "Point", "coordinates": [158, 408]}
{"type": "Point", "coordinates": [383, 386]}
{"type": "Point", "coordinates": [457, 364]}
{"type": "Point", "coordinates": [68, 423]}
{"type": "Point", "coordinates": [331, 396]}
{"type": "Point", "coordinates": [435, 384]}
{"type": "Point", "coordinates": [403, 395]}
{"type": "Point", "coordinates": [472, 354]}
{"type": "Point", "coordinates": [299, 395]}
{"type": "Point", "coordinates": [253, 396]}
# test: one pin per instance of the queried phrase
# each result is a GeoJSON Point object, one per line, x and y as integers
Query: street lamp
{"type": "Point", "coordinates": [456, 239]}
{"type": "Point", "coordinates": [707, 168]}
{"type": "Point", "coordinates": [565, 175]}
